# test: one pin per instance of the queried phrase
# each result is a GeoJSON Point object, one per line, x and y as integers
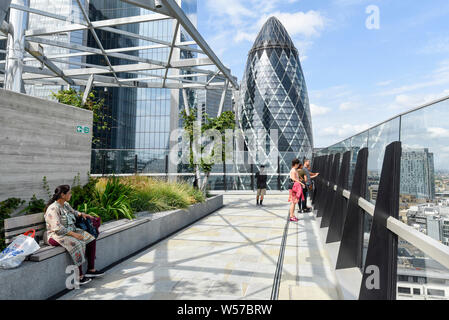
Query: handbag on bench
{"type": "Point", "coordinates": [89, 225]}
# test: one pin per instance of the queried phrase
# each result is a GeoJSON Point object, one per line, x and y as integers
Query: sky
{"type": "Point", "coordinates": [359, 70]}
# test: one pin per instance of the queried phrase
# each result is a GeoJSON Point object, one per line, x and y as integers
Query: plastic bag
{"type": "Point", "coordinates": [18, 250]}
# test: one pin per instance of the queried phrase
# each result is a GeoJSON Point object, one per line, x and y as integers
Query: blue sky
{"type": "Point", "coordinates": [356, 77]}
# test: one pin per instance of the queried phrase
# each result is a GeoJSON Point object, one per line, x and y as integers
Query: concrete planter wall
{"type": "Point", "coordinates": [41, 138]}
{"type": "Point", "coordinates": [45, 276]}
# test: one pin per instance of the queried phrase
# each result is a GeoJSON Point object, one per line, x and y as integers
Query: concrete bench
{"type": "Point", "coordinates": [46, 269]}
{"type": "Point", "coordinates": [46, 251]}
{"type": "Point", "coordinates": [19, 225]}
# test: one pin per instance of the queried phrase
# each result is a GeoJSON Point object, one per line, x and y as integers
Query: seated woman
{"type": "Point", "coordinates": [60, 219]}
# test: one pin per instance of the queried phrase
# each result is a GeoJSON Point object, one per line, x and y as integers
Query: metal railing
{"type": "Point", "coordinates": [342, 211]}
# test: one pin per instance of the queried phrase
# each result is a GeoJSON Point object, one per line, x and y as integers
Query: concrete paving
{"type": "Point", "coordinates": [307, 272]}
{"type": "Point", "coordinates": [231, 254]}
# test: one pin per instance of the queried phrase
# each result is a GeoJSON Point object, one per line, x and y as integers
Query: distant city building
{"type": "Point", "coordinates": [445, 231]}
{"type": "Point", "coordinates": [209, 100]}
{"type": "Point", "coordinates": [417, 173]}
{"type": "Point", "coordinates": [373, 190]}
{"type": "Point", "coordinates": [430, 219]}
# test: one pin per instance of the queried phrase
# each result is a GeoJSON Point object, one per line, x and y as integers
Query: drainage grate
{"type": "Point", "coordinates": [278, 273]}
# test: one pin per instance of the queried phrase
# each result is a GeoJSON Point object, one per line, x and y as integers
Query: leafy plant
{"type": "Point", "coordinates": [156, 195]}
{"type": "Point", "coordinates": [113, 201]}
{"type": "Point", "coordinates": [110, 208]}
{"type": "Point", "coordinates": [46, 187]}
{"type": "Point", "coordinates": [222, 123]}
{"type": "Point", "coordinates": [82, 195]}
{"type": "Point", "coordinates": [35, 205]}
{"type": "Point", "coordinates": [101, 120]}
{"type": "Point", "coordinates": [77, 180]}
{"type": "Point", "coordinates": [117, 198]}
{"type": "Point", "coordinates": [6, 208]}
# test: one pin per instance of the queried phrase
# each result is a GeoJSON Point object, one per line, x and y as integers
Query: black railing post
{"type": "Point", "coordinates": [317, 168]}
{"type": "Point", "coordinates": [135, 164]}
{"type": "Point", "coordinates": [327, 164]}
{"type": "Point", "coordinates": [225, 186]}
{"type": "Point", "coordinates": [166, 167]}
{"type": "Point", "coordinates": [103, 165]}
{"type": "Point", "coordinates": [340, 204]}
{"type": "Point", "coordinates": [320, 184]}
{"type": "Point", "coordinates": [330, 195]}
{"type": "Point", "coordinates": [279, 174]}
{"type": "Point", "coordinates": [380, 271]}
{"type": "Point", "coordinates": [252, 177]}
{"type": "Point", "coordinates": [351, 246]}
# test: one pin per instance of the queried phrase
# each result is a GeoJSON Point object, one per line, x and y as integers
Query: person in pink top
{"type": "Point", "coordinates": [295, 189]}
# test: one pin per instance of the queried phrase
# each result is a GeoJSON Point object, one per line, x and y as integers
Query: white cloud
{"type": "Point", "coordinates": [439, 76]}
{"type": "Point", "coordinates": [345, 130]}
{"type": "Point", "coordinates": [350, 2]}
{"type": "Point", "coordinates": [244, 36]}
{"type": "Point", "coordinates": [241, 20]}
{"type": "Point", "coordinates": [349, 105]}
{"type": "Point", "coordinates": [437, 45]}
{"type": "Point", "coordinates": [306, 24]}
{"type": "Point", "coordinates": [384, 83]}
{"type": "Point", "coordinates": [336, 92]}
{"type": "Point", "coordinates": [436, 132]}
{"type": "Point", "coordinates": [234, 10]}
{"type": "Point", "coordinates": [408, 101]}
{"type": "Point", "coordinates": [318, 111]}
{"type": "Point", "coordinates": [302, 24]}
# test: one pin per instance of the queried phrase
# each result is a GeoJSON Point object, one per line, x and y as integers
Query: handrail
{"type": "Point", "coordinates": [434, 249]}
{"type": "Point", "coordinates": [184, 174]}
{"type": "Point", "coordinates": [392, 118]}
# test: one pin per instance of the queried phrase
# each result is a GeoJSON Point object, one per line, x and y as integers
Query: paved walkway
{"type": "Point", "coordinates": [231, 254]}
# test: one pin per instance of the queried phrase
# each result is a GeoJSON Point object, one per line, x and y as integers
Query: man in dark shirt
{"type": "Point", "coordinates": [308, 176]}
{"type": "Point", "coordinates": [261, 179]}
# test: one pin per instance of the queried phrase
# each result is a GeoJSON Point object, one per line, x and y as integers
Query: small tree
{"type": "Point", "coordinates": [74, 98]}
{"type": "Point", "coordinates": [222, 123]}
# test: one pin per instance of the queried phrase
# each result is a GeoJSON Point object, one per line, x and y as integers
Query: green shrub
{"type": "Point", "coordinates": [83, 195]}
{"type": "Point", "coordinates": [46, 187]}
{"type": "Point", "coordinates": [35, 205]}
{"type": "Point", "coordinates": [6, 208]}
{"type": "Point", "coordinates": [117, 198]}
{"type": "Point", "coordinates": [197, 194]}
{"type": "Point", "coordinates": [111, 200]}
{"type": "Point", "coordinates": [110, 208]}
{"type": "Point", "coordinates": [156, 195]}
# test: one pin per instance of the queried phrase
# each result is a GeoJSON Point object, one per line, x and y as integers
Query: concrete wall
{"type": "Point", "coordinates": [44, 279]}
{"type": "Point", "coordinates": [39, 138]}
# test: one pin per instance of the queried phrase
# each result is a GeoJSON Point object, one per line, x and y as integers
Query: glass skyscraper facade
{"type": "Point", "coordinates": [140, 118]}
{"type": "Point", "coordinates": [66, 58]}
{"type": "Point", "coordinates": [273, 96]}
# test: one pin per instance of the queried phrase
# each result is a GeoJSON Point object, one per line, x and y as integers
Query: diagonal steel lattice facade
{"type": "Point", "coordinates": [273, 96]}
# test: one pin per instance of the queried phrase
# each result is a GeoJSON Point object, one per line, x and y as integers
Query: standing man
{"type": "Point", "coordinates": [261, 179]}
{"type": "Point", "coordinates": [308, 176]}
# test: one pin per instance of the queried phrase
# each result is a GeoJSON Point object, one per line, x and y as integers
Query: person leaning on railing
{"type": "Point", "coordinates": [295, 193]}
{"type": "Point", "coordinates": [60, 219]}
{"type": "Point", "coordinates": [309, 177]}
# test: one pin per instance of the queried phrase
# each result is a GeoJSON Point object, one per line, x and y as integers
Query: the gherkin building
{"type": "Point", "coordinates": [273, 95]}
